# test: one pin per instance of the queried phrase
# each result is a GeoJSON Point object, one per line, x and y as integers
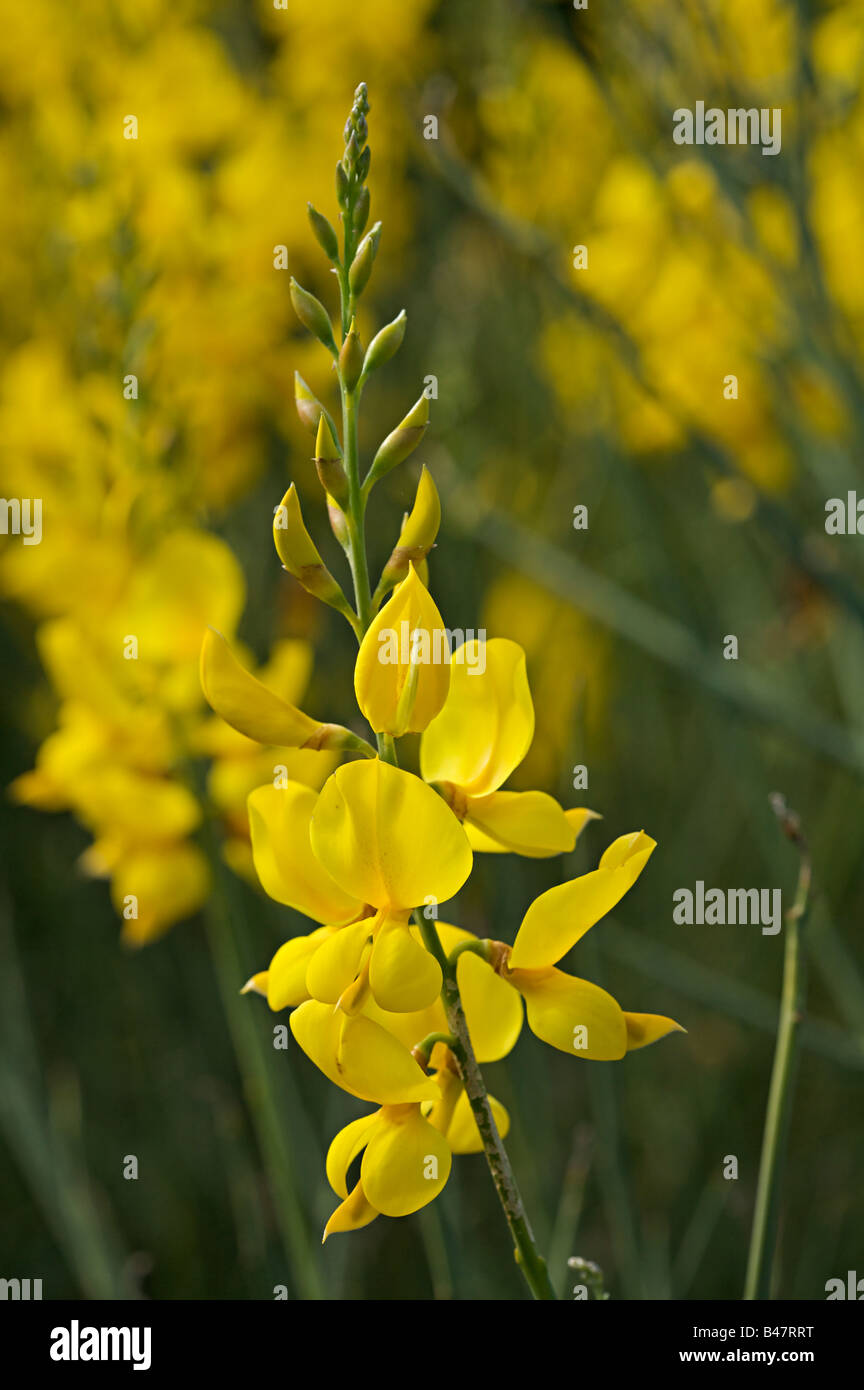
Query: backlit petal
{"type": "Point", "coordinates": [463, 1136]}
{"type": "Point", "coordinates": [492, 1008]}
{"type": "Point", "coordinates": [486, 727]}
{"type": "Point", "coordinates": [246, 704]}
{"type": "Point", "coordinates": [571, 1014]}
{"type": "Point", "coordinates": [387, 838]}
{"type": "Point", "coordinates": [558, 918]}
{"type": "Point", "coordinates": [359, 1055]}
{"type": "Point", "coordinates": [279, 821]}
{"type": "Point", "coordinates": [643, 1029]}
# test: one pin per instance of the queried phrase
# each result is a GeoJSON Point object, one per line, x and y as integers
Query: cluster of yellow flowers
{"type": "Point", "coordinates": [373, 854]}
{"type": "Point", "coordinates": [144, 355]}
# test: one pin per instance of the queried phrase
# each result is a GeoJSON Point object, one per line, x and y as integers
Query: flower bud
{"type": "Point", "coordinates": [338, 522]}
{"type": "Point", "coordinates": [361, 210]}
{"type": "Point", "coordinates": [328, 462]}
{"type": "Point", "coordinates": [402, 441]}
{"type": "Point", "coordinates": [361, 266]}
{"type": "Point", "coordinates": [343, 187]}
{"type": "Point", "coordinates": [309, 408]}
{"type": "Point", "coordinates": [418, 533]}
{"type": "Point", "coordinates": [312, 314]}
{"type": "Point", "coordinates": [298, 554]}
{"type": "Point", "coordinates": [327, 239]}
{"type": "Point", "coordinates": [363, 162]}
{"type": "Point", "coordinates": [351, 358]}
{"type": "Point", "coordinates": [402, 674]}
{"type": "Point", "coordinates": [385, 344]}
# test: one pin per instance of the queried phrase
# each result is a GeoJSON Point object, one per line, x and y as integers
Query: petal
{"type": "Point", "coordinates": [493, 1009]}
{"type": "Point", "coordinates": [486, 727]}
{"type": "Point", "coordinates": [345, 1148]}
{"type": "Point", "coordinates": [560, 1007]}
{"type": "Point", "coordinates": [404, 976]}
{"type": "Point", "coordinates": [246, 704]}
{"type": "Point", "coordinates": [359, 1055]}
{"type": "Point", "coordinates": [463, 1136]}
{"type": "Point", "coordinates": [337, 961]}
{"type": "Point", "coordinates": [406, 1164]}
{"type": "Point", "coordinates": [578, 817]}
{"type": "Point", "coordinates": [387, 838]}
{"type": "Point", "coordinates": [399, 695]}
{"type": "Point", "coordinates": [643, 1029]}
{"type": "Point", "coordinates": [354, 1213]}
{"type": "Point", "coordinates": [529, 823]}
{"type": "Point", "coordinates": [279, 821]}
{"type": "Point", "coordinates": [167, 885]}
{"type": "Point", "coordinates": [409, 1028]}
{"type": "Point", "coordinates": [286, 977]}
{"type": "Point", "coordinates": [557, 919]}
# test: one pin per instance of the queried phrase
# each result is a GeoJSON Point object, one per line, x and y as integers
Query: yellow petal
{"type": "Point", "coordinates": [160, 886]}
{"type": "Point", "coordinates": [579, 816]}
{"type": "Point", "coordinates": [643, 1029]}
{"type": "Point", "coordinates": [387, 838]}
{"type": "Point", "coordinates": [354, 1213]}
{"type": "Point", "coordinates": [529, 823]}
{"type": "Point", "coordinates": [402, 673]}
{"type": "Point", "coordinates": [409, 1028]}
{"type": "Point", "coordinates": [246, 704]}
{"type": "Point", "coordinates": [279, 822]}
{"type": "Point", "coordinates": [560, 917]}
{"type": "Point", "coordinates": [359, 1055]}
{"type": "Point", "coordinates": [493, 1009]}
{"type": "Point", "coordinates": [286, 977]}
{"type": "Point", "coordinates": [463, 1136]}
{"type": "Point", "coordinates": [337, 961]}
{"type": "Point", "coordinates": [404, 976]}
{"type": "Point", "coordinates": [406, 1164]}
{"type": "Point", "coordinates": [344, 1149]}
{"type": "Point", "coordinates": [486, 727]}
{"type": "Point", "coordinates": [571, 1014]}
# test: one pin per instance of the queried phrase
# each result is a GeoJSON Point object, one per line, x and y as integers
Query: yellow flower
{"type": "Point", "coordinates": [570, 1014]}
{"type": "Point", "coordinates": [406, 1163]}
{"type": "Point", "coordinates": [402, 673]}
{"type": "Point", "coordinates": [471, 748]}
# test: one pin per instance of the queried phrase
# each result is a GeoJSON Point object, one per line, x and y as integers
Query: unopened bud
{"type": "Point", "coordinates": [298, 553]}
{"type": "Point", "coordinates": [361, 210]}
{"type": "Point", "coordinates": [385, 344]}
{"type": "Point", "coordinates": [312, 314]}
{"type": "Point", "coordinates": [338, 522]}
{"type": "Point", "coordinates": [328, 462]}
{"type": "Point", "coordinates": [418, 533]}
{"type": "Point", "coordinates": [361, 266]}
{"type": "Point", "coordinates": [403, 440]}
{"type": "Point", "coordinates": [363, 163]}
{"type": "Point", "coordinates": [351, 358]}
{"type": "Point", "coordinates": [343, 187]}
{"type": "Point", "coordinates": [309, 408]}
{"type": "Point", "coordinates": [325, 233]}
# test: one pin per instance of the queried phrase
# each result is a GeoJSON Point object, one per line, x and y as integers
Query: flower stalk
{"type": "Point", "coordinates": [763, 1238]}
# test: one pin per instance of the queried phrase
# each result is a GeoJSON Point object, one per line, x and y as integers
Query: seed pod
{"type": "Point", "coordinates": [402, 441]}
{"type": "Point", "coordinates": [327, 238]}
{"type": "Point", "coordinates": [385, 344]}
{"type": "Point", "coordinates": [312, 314]}
{"type": "Point", "coordinates": [309, 408]}
{"type": "Point", "coordinates": [328, 463]}
{"type": "Point", "coordinates": [351, 358]}
{"type": "Point", "coordinates": [361, 266]}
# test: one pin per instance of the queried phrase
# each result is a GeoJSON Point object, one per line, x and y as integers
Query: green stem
{"type": "Point", "coordinates": [763, 1238]}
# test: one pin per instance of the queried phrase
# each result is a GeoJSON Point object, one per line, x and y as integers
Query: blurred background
{"type": "Point", "coordinates": [148, 350]}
